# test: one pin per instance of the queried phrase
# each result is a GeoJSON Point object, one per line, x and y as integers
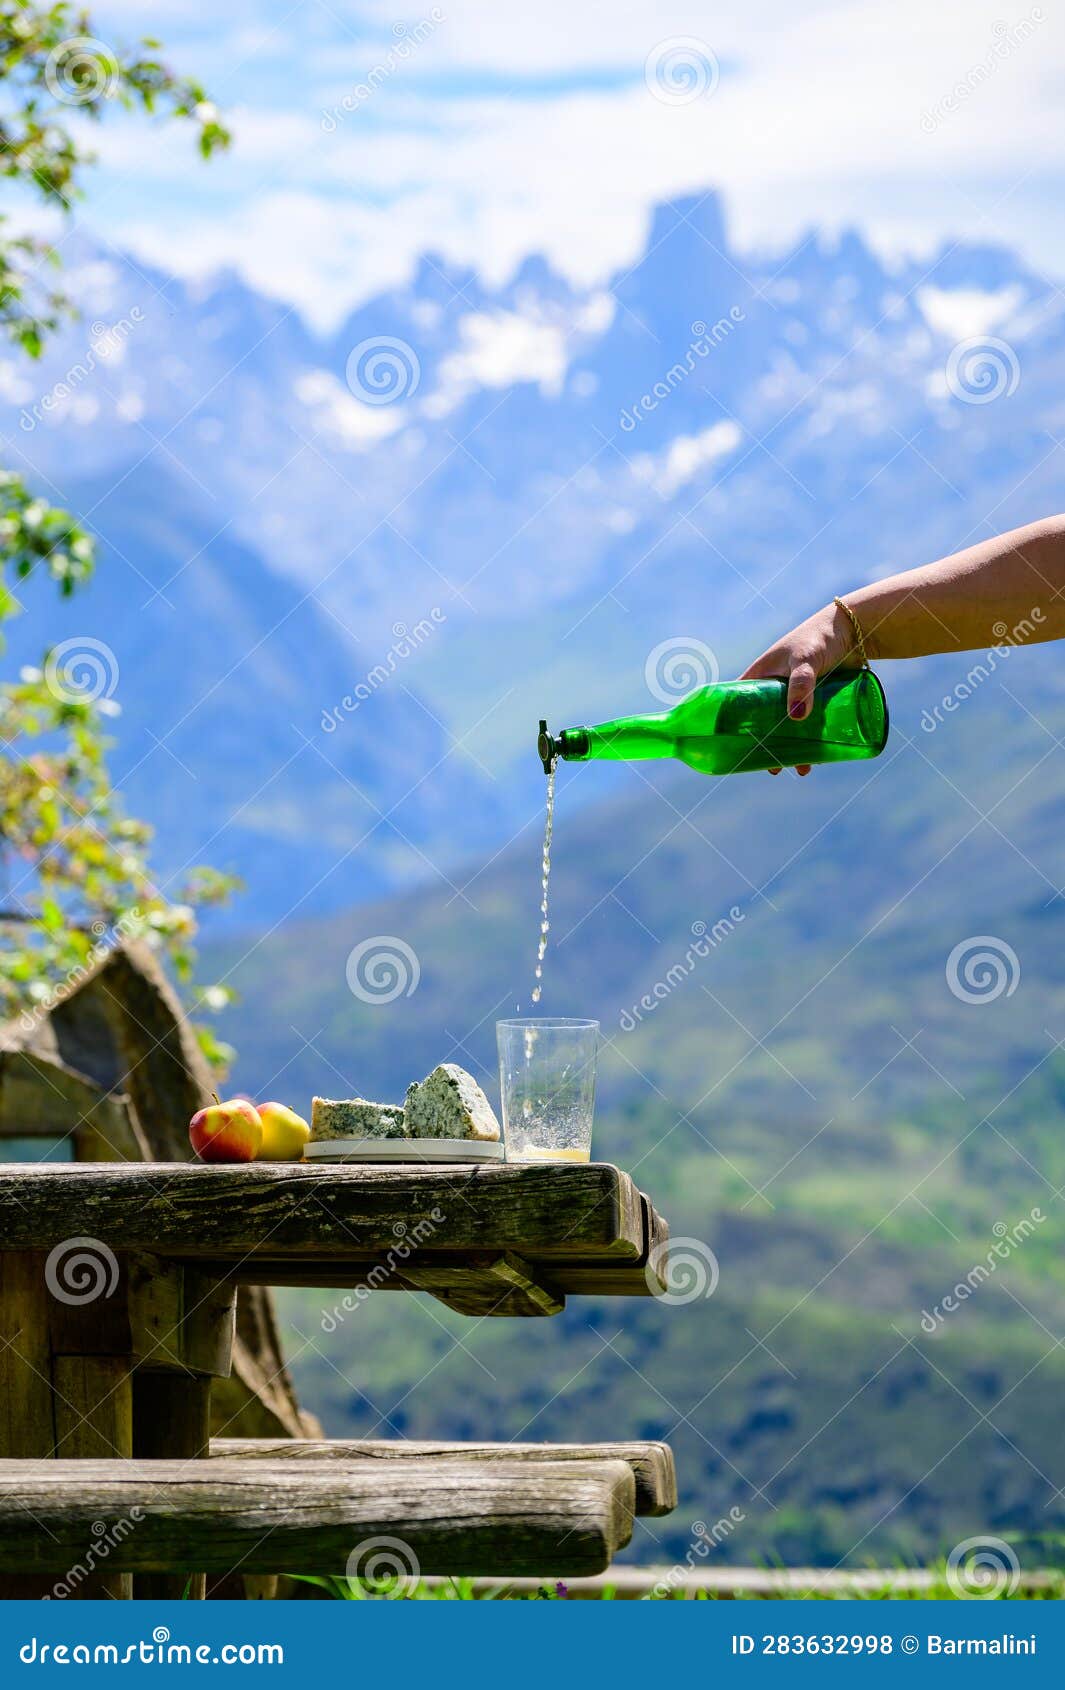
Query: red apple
{"type": "Point", "coordinates": [227, 1132]}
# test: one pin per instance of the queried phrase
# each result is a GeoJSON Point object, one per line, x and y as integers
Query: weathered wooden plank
{"type": "Point", "coordinates": [44, 1099]}
{"type": "Point", "coordinates": [223, 1213]}
{"type": "Point", "coordinates": [597, 1279]}
{"type": "Point", "coordinates": [551, 1518]}
{"type": "Point", "coordinates": [643, 1278]}
{"type": "Point", "coordinates": [652, 1464]}
{"type": "Point", "coordinates": [656, 1233]}
{"type": "Point", "coordinates": [584, 1276]}
{"type": "Point", "coordinates": [496, 1285]}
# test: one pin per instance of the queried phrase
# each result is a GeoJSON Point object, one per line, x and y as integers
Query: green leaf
{"type": "Point", "coordinates": [64, 836]}
{"type": "Point", "coordinates": [51, 915]}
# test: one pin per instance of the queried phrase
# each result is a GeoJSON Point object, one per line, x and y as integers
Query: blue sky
{"type": "Point", "coordinates": [486, 129]}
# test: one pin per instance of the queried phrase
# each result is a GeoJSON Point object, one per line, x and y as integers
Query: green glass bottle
{"type": "Point", "coordinates": [739, 725]}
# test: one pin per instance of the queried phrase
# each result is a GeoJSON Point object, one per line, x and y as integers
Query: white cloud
{"type": "Point", "coordinates": [915, 122]}
{"type": "Point", "coordinates": [499, 348]}
{"type": "Point", "coordinates": [13, 384]}
{"type": "Point", "coordinates": [684, 457]}
{"type": "Point", "coordinates": [337, 413]}
{"type": "Point", "coordinates": [963, 312]}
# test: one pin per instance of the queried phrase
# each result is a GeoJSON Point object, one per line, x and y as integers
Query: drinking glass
{"type": "Point", "coordinates": [547, 1083]}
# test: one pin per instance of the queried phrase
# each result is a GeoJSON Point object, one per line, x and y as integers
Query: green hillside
{"type": "Point", "coordinates": [810, 1099]}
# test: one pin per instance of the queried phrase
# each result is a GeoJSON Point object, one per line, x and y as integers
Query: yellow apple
{"type": "Point", "coordinates": [284, 1133]}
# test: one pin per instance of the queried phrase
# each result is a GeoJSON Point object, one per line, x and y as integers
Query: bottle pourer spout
{"type": "Point", "coordinates": [547, 749]}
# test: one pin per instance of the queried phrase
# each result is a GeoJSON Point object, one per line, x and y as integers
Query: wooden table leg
{"type": "Point", "coordinates": [27, 1428]}
{"type": "Point", "coordinates": [65, 1387]}
{"type": "Point", "coordinates": [103, 1356]}
{"type": "Point", "coordinates": [182, 1321]}
{"type": "Point", "coordinates": [171, 1419]}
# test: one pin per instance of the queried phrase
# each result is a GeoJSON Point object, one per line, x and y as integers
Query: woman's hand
{"type": "Point", "coordinates": [825, 641]}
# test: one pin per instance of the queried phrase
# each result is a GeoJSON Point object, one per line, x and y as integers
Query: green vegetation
{"type": "Point", "coordinates": [467, 1590]}
{"type": "Point", "coordinates": [77, 869]}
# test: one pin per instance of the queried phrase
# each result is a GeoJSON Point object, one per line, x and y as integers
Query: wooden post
{"type": "Point", "coordinates": [104, 1356]}
{"type": "Point", "coordinates": [172, 1419]}
{"type": "Point", "coordinates": [27, 1424]}
{"type": "Point", "coordinates": [94, 1418]}
{"type": "Point", "coordinates": [92, 1391]}
{"type": "Point", "coordinates": [65, 1387]}
{"type": "Point", "coordinates": [181, 1331]}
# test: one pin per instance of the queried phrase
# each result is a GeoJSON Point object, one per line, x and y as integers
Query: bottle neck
{"type": "Point", "coordinates": [625, 739]}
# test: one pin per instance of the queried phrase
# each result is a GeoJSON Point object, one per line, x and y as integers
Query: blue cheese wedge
{"type": "Point", "coordinates": [449, 1103]}
{"type": "Point", "coordinates": [355, 1117]}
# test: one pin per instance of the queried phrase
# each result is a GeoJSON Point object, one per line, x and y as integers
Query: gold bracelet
{"type": "Point", "coordinates": [859, 637]}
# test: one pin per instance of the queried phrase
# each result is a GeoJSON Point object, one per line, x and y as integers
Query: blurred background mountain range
{"type": "Point", "coordinates": [274, 534]}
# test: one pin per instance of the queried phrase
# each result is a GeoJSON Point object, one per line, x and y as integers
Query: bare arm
{"type": "Point", "coordinates": [1010, 589]}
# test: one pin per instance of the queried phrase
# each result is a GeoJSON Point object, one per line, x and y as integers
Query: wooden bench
{"type": "Point", "coordinates": [496, 1517]}
{"type": "Point", "coordinates": [652, 1464]}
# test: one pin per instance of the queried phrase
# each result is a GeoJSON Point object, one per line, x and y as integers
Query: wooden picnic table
{"type": "Point", "coordinates": [118, 1281]}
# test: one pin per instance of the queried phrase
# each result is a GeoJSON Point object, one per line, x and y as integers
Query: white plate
{"type": "Point", "coordinates": [403, 1150]}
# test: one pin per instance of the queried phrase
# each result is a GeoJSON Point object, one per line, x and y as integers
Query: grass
{"type": "Point", "coordinates": [1051, 1587]}
{"type": "Point", "coordinates": [446, 1590]}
